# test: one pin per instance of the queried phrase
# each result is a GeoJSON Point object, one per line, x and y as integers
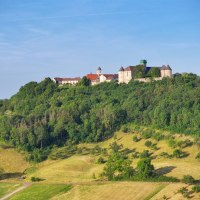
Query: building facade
{"type": "Point", "coordinates": [127, 74]}
{"type": "Point", "coordinates": [99, 77]}
{"type": "Point", "coordinates": [70, 81]}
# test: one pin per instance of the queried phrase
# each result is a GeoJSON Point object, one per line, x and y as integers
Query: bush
{"type": "Point", "coordinates": [184, 144]}
{"type": "Point", "coordinates": [36, 179]}
{"type": "Point", "coordinates": [135, 155]}
{"type": "Point", "coordinates": [145, 168]}
{"type": "Point", "coordinates": [172, 143]}
{"type": "Point", "coordinates": [125, 129]}
{"type": "Point", "coordinates": [177, 153]}
{"type": "Point", "coordinates": [154, 146]}
{"type": "Point", "coordinates": [145, 154]}
{"type": "Point", "coordinates": [136, 139]}
{"type": "Point", "coordinates": [100, 160]}
{"type": "Point", "coordinates": [198, 156]}
{"type": "Point", "coordinates": [188, 179]}
{"type": "Point", "coordinates": [148, 143]}
{"type": "Point", "coordinates": [63, 152]}
{"type": "Point", "coordinates": [185, 192]}
{"type": "Point", "coordinates": [158, 136]}
{"type": "Point", "coordinates": [38, 155]}
{"type": "Point", "coordinates": [196, 188]}
{"type": "Point", "coordinates": [165, 155]}
{"type": "Point", "coordinates": [147, 134]}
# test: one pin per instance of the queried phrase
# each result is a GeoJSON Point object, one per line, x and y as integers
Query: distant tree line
{"type": "Point", "coordinates": [44, 114]}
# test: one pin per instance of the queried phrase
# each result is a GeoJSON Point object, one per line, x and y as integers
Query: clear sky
{"type": "Point", "coordinates": [68, 38]}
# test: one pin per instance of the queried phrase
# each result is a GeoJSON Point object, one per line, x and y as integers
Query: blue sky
{"type": "Point", "coordinates": [68, 38]}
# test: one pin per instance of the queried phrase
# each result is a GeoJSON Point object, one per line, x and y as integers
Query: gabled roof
{"type": "Point", "coordinates": [166, 67]}
{"type": "Point", "coordinates": [129, 68]}
{"type": "Point", "coordinates": [67, 79]}
{"type": "Point", "coordinates": [121, 69]}
{"type": "Point", "coordinates": [92, 77]}
{"type": "Point", "coordinates": [110, 76]}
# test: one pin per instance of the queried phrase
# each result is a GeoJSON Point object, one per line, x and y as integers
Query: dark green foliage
{"type": "Point", "coordinates": [184, 143]}
{"type": "Point", "coordinates": [147, 134]}
{"type": "Point", "coordinates": [145, 154]}
{"type": "Point", "coordinates": [115, 147]}
{"type": "Point", "coordinates": [125, 129]}
{"type": "Point", "coordinates": [196, 188]}
{"type": "Point", "coordinates": [118, 167]}
{"type": "Point", "coordinates": [185, 192]}
{"type": "Point", "coordinates": [62, 153]}
{"type": "Point", "coordinates": [42, 114]}
{"type": "Point", "coordinates": [158, 136]}
{"type": "Point", "coordinates": [36, 179]}
{"type": "Point", "coordinates": [172, 143]}
{"type": "Point", "coordinates": [136, 139]}
{"type": "Point", "coordinates": [165, 155]}
{"type": "Point", "coordinates": [177, 153]}
{"type": "Point", "coordinates": [84, 81]}
{"type": "Point", "coordinates": [100, 160]}
{"type": "Point", "coordinates": [139, 71]}
{"type": "Point", "coordinates": [188, 179]}
{"type": "Point", "coordinates": [145, 168]}
{"type": "Point", "coordinates": [198, 156]}
{"type": "Point", "coordinates": [38, 155]}
{"type": "Point", "coordinates": [148, 143]}
{"type": "Point", "coordinates": [154, 72]}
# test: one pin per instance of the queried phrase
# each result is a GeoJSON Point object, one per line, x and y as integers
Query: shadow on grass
{"type": "Point", "coordinates": [17, 175]}
{"type": "Point", "coordinates": [164, 170]}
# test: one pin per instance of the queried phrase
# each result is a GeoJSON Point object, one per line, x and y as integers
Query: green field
{"type": "Point", "coordinates": [6, 188]}
{"type": "Point", "coordinates": [41, 192]}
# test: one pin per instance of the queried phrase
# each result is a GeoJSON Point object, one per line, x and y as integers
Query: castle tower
{"type": "Point", "coordinates": [143, 62]}
{"type": "Point", "coordinates": [166, 71]}
{"type": "Point", "coordinates": [121, 75]}
{"type": "Point", "coordinates": [99, 71]}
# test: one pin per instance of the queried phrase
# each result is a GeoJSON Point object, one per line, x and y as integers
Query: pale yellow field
{"type": "Point", "coordinates": [76, 168]}
{"type": "Point", "coordinates": [170, 191]}
{"type": "Point", "coordinates": [81, 168]}
{"type": "Point", "coordinates": [112, 191]}
{"type": "Point", "coordinates": [12, 162]}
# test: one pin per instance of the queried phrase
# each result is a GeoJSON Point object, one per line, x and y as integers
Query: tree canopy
{"type": "Point", "coordinates": [44, 114]}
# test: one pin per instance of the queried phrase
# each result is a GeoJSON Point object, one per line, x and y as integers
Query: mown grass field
{"type": "Point", "coordinates": [6, 188]}
{"type": "Point", "coordinates": [111, 191]}
{"type": "Point", "coordinates": [41, 192]}
{"type": "Point", "coordinates": [82, 171]}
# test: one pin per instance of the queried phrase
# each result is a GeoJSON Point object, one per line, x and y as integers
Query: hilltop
{"type": "Point", "coordinates": [43, 114]}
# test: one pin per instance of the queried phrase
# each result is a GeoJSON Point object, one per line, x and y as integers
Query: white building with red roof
{"type": "Point", "coordinates": [99, 77]}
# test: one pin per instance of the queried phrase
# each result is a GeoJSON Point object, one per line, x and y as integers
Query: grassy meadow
{"type": "Point", "coordinates": [41, 192]}
{"type": "Point", "coordinates": [6, 188]}
{"type": "Point", "coordinates": [82, 168]}
{"type": "Point", "coordinates": [82, 172]}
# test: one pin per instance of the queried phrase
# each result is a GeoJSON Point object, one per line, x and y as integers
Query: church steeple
{"type": "Point", "coordinates": [99, 70]}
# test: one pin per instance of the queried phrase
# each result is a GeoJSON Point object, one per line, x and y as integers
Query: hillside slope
{"type": "Point", "coordinates": [43, 114]}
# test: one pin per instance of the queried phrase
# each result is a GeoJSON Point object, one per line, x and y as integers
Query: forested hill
{"type": "Point", "coordinates": [43, 114]}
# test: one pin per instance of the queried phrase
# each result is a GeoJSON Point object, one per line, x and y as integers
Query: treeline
{"type": "Point", "coordinates": [43, 114]}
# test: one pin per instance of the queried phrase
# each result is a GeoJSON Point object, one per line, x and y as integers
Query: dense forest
{"type": "Point", "coordinates": [44, 114]}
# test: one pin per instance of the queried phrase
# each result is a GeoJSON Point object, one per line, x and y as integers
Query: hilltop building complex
{"type": "Point", "coordinates": [131, 73]}
{"type": "Point", "coordinates": [141, 72]}
{"type": "Point", "coordinates": [99, 77]}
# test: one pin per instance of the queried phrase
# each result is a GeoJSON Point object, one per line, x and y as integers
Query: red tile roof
{"type": "Point", "coordinates": [92, 77]}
